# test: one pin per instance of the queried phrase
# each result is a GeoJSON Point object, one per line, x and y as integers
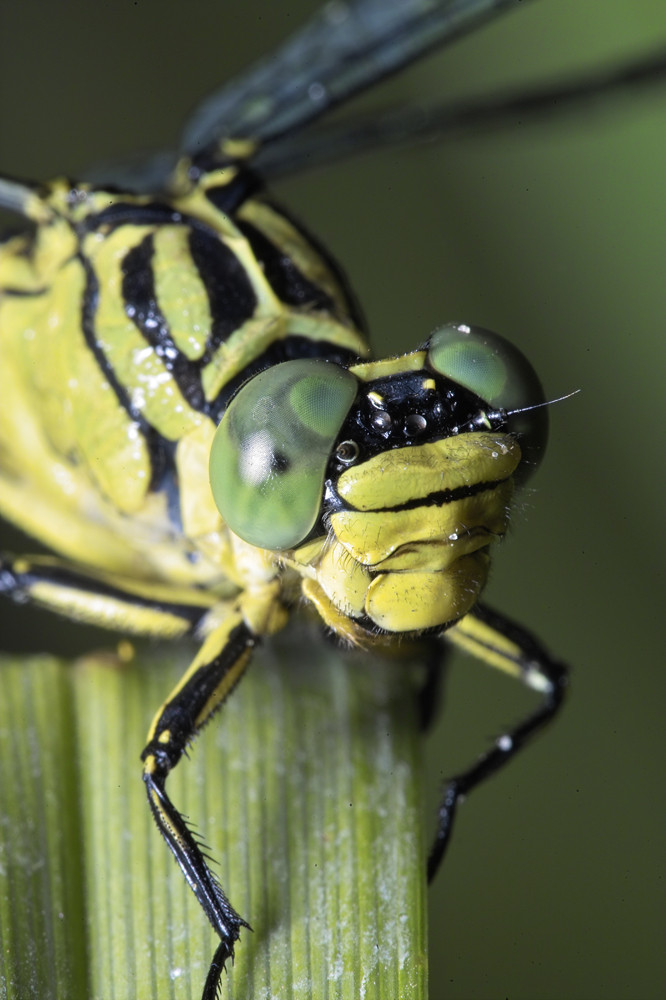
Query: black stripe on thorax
{"type": "Point", "coordinates": [155, 443]}
{"type": "Point", "coordinates": [231, 297]}
{"type": "Point", "coordinates": [140, 300]}
{"type": "Point", "coordinates": [353, 305]}
{"type": "Point", "coordinates": [228, 198]}
{"type": "Point", "coordinates": [287, 281]}
{"type": "Point", "coordinates": [123, 213]}
{"type": "Point", "coordinates": [231, 301]}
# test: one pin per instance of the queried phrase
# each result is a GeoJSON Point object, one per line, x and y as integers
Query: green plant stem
{"type": "Point", "coordinates": [307, 790]}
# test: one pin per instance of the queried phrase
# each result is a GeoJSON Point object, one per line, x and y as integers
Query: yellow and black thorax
{"type": "Point", "coordinates": [128, 322]}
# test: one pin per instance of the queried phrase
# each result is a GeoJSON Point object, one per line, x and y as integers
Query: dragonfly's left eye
{"type": "Point", "coordinates": [500, 374]}
{"type": "Point", "coordinates": [270, 452]}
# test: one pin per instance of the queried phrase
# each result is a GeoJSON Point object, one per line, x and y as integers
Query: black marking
{"type": "Point", "coordinates": [140, 298]}
{"type": "Point", "coordinates": [25, 293]}
{"type": "Point", "coordinates": [180, 714]}
{"type": "Point", "coordinates": [154, 441]}
{"type": "Point", "coordinates": [122, 213]}
{"type": "Point", "coordinates": [436, 499]}
{"type": "Point", "coordinates": [228, 198]}
{"type": "Point", "coordinates": [351, 302]}
{"type": "Point", "coordinates": [413, 413]}
{"type": "Point", "coordinates": [287, 281]}
{"type": "Point", "coordinates": [231, 297]}
{"type": "Point", "coordinates": [169, 487]}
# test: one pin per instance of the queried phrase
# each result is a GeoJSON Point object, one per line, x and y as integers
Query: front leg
{"type": "Point", "coordinates": [215, 671]}
{"type": "Point", "coordinates": [502, 644]}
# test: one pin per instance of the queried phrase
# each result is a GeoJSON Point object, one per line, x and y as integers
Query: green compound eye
{"type": "Point", "coordinates": [497, 372]}
{"type": "Point", "coordinates": [269, 454]}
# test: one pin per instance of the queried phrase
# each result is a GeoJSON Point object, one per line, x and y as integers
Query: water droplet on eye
{"type": "Point", "coordinates": [415, 424]}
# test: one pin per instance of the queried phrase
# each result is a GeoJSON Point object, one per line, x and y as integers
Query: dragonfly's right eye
{"type": "Point", "coordinates": [495, 370]}
{"type": "Point", "coordinates": [270, 452]}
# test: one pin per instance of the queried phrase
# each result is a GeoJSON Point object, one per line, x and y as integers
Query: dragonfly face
{"type": "Point", "coordinates": [396, 475]}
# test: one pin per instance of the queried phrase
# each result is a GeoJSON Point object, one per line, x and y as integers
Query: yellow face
{"type": "Point", "coordinates": [410, 552]}
{"type": "Point", "coordinates": [409, 484]}
{"type": "Point", "coordinates": [422, 555]}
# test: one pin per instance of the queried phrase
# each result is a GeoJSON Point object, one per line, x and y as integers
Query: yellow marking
{"type": "Point", "coordinates": [180, 291]}
{"type": "Point", "coordinates": [487, 644]}
{"type": "Point", "coordinates": [404, 474]}
{"type": "Point", "coordinates": [239, 149]}
{"type": "Point", "coordinates": [128, 587]}
{"type": "Point", "coordinates": [242, 346]}
{"type": "Point", "coordinates": [409, 602]}
{"type": "Point", "coordinates": [305, 554]}
{"type": "Point", "coordinates": [199, 514]}
{"type": "Point", "coordinates": [225, 687]}
{"type": "Point", "coordinates": [165, 736]}
{"type": "Point", "coordinates": [344, 580]}
{"type": "Point", "coordinates": [429, 384]}
{"type": "Point", "coordinates": [36, 209]}
{"type": "Point", "coordinates": [369, 370]}
{"type": "Point", "coordinates": [373, 536]}
{"type": "Point", "coordinates": [137, 364]}
{"type": "Point", "coordinates": [376, 399]}
{"type": "Point", "coordinates": [157, 802]}
{"type": "Point", "coordinates": [345, 627]}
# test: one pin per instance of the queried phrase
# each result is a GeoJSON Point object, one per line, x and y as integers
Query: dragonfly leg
{"type": "Point", "coordinates": [504, 645]}
{"type": "Point", "coordinates": [211, 677]}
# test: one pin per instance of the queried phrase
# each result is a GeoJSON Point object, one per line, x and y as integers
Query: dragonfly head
{"type": "Point", "coordinates": [403, 469]}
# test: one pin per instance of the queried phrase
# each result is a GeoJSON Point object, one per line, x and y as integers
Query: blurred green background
{"type": "Point", "coordinates": [555, 235]}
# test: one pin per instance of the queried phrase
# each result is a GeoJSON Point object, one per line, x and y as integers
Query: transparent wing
{"type": "Point", "coordinates": [344, 49]}
{"type": "Point", "coordinates": [408, 124]}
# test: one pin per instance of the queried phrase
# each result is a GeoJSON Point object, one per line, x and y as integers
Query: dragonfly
{"type": "Point", "coordinates": [267, 525]}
